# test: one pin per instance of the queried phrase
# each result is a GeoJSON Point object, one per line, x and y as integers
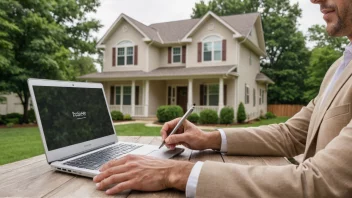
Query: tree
{"type": "Point", "coordinates": [40, 38]}
{"type": "Point", "coordinates": [287, 54]}
{"type": "Point", "coordinates": [241, 113]}
{"type": "Point", "coordinates": [319, 36]}
{"type": "Point", "coordinates": [320, 61]}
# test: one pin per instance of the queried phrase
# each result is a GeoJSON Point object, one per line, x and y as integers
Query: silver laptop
{"type": "Point", "coordinates": [76, 127]}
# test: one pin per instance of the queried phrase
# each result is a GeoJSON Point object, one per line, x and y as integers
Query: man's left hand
{"type": "Point", "coordinates": [143, 173]}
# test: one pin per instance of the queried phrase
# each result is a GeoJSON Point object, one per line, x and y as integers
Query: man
{"type": "Point", "coordinates": [322, 131]}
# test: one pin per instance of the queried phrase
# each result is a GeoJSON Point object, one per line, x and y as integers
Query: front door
{"type": "Point", "coordinates": [182, 98]}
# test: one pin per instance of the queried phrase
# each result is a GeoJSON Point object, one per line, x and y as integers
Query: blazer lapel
{"type": "Point", "coordinates": [327, 102]}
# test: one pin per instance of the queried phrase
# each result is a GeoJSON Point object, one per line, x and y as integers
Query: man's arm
{"type": "Point", "coordinates": [327, 174]}
{"type": "Point", "coordinates": [287, 139]}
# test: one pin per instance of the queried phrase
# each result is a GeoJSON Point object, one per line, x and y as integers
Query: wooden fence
{"type": "Point", "coordinates": [284, 110]}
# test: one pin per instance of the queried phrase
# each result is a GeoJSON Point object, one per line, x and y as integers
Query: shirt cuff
{"type": "Point", "coordinates": [223, 141]}
{"type": "Point", "coordinates": [192, 181]}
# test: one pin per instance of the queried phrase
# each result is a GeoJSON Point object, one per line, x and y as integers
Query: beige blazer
{"type": "Point", "coordinates": [322, 132]}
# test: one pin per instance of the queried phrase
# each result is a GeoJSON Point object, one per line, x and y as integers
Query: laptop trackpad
{"type": "Point", "coordinates": [166, 153]}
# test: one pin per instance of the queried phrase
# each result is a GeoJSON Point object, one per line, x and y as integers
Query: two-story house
{"type": "Point", "coordinates": [211, 62]}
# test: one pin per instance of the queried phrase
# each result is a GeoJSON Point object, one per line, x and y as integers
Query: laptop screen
{"type": "Point", "coordinates": [72, 115]}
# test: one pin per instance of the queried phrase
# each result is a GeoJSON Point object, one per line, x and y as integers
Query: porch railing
{"type": "Point", "coordinates": [127, 109]}
{"type": "Point", "coordinates": [198, 109]}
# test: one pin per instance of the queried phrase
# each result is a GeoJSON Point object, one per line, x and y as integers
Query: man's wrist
{"type": "Point", "coordinates": [214, 139]}
{"type": "Point", "coordinates": [178, 175]}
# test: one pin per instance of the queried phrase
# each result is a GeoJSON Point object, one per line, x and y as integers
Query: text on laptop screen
{"type": "Point", "coordinates": [72, 115]}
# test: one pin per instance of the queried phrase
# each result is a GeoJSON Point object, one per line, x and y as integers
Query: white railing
{"type": "Point", "coordinates": [127, 109]}
{"type": "Point", "coordinates": [198, 109]}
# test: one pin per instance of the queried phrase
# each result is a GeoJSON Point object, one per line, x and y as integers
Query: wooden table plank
{"type": "Point", "coordinates": [204, 155]}
{"type": "Point", "coordinates": [16, 165]}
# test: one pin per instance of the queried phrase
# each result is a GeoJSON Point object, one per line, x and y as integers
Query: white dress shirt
{"type": "Point", "coordinates": [192, 181]}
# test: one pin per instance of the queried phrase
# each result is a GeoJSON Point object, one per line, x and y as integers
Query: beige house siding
{"type": "Point", "coordinates": [11, 105]}
{"type": "Point", "coordinates": [204, 31]}
{"type": "Point", "coordinates": [154, 61]}
{"type": "Point", "coordinates": [254, 36]}
{"type": "Point", "coordinates": [119, 35]}
{"type": "Point", "coordinates": [157, 91]}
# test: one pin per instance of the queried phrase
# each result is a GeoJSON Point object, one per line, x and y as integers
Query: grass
{"type": "Point", "coordinates": [22, 143]}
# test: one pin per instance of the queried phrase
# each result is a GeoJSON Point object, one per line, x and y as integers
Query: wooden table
{"type": "Point", "coordinates": [34, 178]}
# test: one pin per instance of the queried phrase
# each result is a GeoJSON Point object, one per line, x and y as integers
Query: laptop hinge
{"type": "Point", "coordinates": [87, 151]}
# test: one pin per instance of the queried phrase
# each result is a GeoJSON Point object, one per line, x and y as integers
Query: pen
{"type": "Point", "coordinates": [179, 123]}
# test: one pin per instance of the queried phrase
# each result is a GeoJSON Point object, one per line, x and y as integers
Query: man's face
{"type": "Point", "coordinates": [338, 16]}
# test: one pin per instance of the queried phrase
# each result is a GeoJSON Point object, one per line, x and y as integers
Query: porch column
{"type": "Point", "coordinates": [133, 102]}
{"type": "Point", "coordinates": [221, 94]}
{"type": "Point", "coordinates": [190, 93]}
{"type": "Point", "coordinates": [146, 98]}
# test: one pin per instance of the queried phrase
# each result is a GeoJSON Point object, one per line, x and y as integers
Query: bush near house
{"type": "Point", "coordinates": [116, 115]}
{"type": "Point", "coordinates": [208, 116]}
{"type": "Point", "coordinates": [127, 117]}
{"type": "Point", "coordinates": [194, 118]}
{"type": "Point", "coordinates": [227, 115]}
{"type": "Point", "coordinates": [270, 115]}
{"type": "Point", "coordinates": [31, 116]}
{"type": "Point", "coordinates": [241, 113]}
{"type": "Point", "coordinates": [167, 113]}
{"type": "Point", "coordinates": [12, 116]}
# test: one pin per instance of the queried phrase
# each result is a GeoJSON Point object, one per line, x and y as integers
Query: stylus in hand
{"type": "Point", "coordinates": [184, 117]}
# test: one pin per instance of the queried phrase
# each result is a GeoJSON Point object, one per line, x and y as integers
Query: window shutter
{"type": "Point", "coordinates": [137, 96]}
{"type": "Point", "coordinates": [184, 54]}
{"type": "Point", "coordinates": [224, 50]}
{"type": "Point", "coordinates": [114, 56]}
{"type": "Point", "coordinates": [169, 55]}
{"type": "Point", "coordinates": [136, 55]}
{"type": "Point", "coordinates": [201, 95]}
{"type": "Point", "coordinates": [112, 95]}
{"type": "Point", "coordinates": [199, 52]}
{"type": "Point", "coordinates": [225, 95]}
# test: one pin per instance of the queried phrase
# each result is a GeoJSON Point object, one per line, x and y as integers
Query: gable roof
{"type": "Point", "coordinates": [175, 31]}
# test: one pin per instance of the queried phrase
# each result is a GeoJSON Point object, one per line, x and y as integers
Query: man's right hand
{"type": "Point", "coordinates": [190, 136]}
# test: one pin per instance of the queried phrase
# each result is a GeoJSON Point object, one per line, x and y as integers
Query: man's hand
{"type": "Point", "coordinates": [190, 136]}
{"type": "Point", "coordinates": [143, 173]}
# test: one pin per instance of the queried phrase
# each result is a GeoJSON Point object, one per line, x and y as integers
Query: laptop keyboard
{"type": "Point", "coordinates": [94, 160]}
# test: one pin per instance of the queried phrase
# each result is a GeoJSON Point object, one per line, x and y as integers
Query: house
{"type": "Point", "coordinates": [11, 104]}
{"type": "Point", "coordinates": [211, 62]}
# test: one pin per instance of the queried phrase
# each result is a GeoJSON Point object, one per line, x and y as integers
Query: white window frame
{"type": "Point", "coordinates": [124, 44]}
{"type": "Point", "coordinates": [121, 93]}
{"type": "Point", "coordinates": [172, 54]}
{"type": "Point", "coordinates": [212, 39]}
{"type": "Point", "coordinates": [208, 100]}
{"type": "Point", "coordinates": [246, 94]}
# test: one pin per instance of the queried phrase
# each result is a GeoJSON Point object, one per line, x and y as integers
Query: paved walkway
{"type": "Point", "coordinates": [150, 123]}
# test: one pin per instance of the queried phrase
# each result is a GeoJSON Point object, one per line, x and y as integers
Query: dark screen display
{"type": "Point", "coordinates": [72, 115]}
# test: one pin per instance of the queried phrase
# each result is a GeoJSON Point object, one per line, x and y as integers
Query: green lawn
{"type": "Point", "coordinates": [22, 143]}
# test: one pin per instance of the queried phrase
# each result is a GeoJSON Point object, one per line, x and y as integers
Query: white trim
{"type": "Point", "coordinates": [212, 48]}
{"type": "Point", "coordinates": [213, 34]}
{"type": "Point", "coordinates": [124, 46]}
{"type": "Point", "coordinates": [122, 16]}
{"type": "Point", "coordinates": [203, 19]}
{"type": "Point", "coordinates": [172, 55]}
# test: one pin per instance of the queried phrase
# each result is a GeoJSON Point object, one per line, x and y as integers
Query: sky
{"type": "Point", "coordinates": [156, 11]}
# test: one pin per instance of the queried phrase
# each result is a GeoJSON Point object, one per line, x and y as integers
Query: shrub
{"type": "Point", "coordinates": [194, 118]}
{"type": "Point", "coordinates": [14, 115]}
{"type": "Point", "coordinates": [270, 115]}
{"type": "Point", "coordinates": [227, 115]}
{"type": "Point", "coordinates": [12, 120]}
{"type": "Point", "coordinates": [241, 113]}
{"type": "Point", "coordinates": [208, 116]}
{"type": "Point", "coordinates": [31, 116]}
{"type": "Point", "coordinates": [9, 125]}
{"type": "Point", "coordinates": [167, 113]}
{"type": "Point", "coordinates": [116, 115]}
{"type": "Point", "coordinates": [2, 120]}
{"type": "Point", "coordinates": [127, 117]}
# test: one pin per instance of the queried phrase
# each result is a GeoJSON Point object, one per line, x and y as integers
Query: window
{"type": "Point", "coordinates": [212, 48]}
{"type": "Point", "coordinates": [176, 55]}
{"type": "Point", "coordinates": [254, 99]}
{"type": "Point", "coordinates": [263, 96]}
{"type": "Point", "coordinates": [260, 96]}
{"type": "Point", "coordinates": [210, 95]}
{"type": "Point", "coordinates": [123, 95]}
{"type": "Point", "coordinates": [125, 53]}
{"type": "Point", "coordinates": [246, 96]}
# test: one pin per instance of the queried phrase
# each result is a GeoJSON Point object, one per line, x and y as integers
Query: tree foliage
{"type": "Point", "coordinates": [44, 39]}
{"type": "Point", "coordinates": [320, 61]}
{"type": "Point", "coordinates": [287, 54]}
{"type": "Point", "coordinates": [319, 36]}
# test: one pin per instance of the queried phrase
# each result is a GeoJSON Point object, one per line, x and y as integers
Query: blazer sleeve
{"type": "Point", "coordinates": [327, 174]}
{"type": "Point", "coordinates": [287, 139]}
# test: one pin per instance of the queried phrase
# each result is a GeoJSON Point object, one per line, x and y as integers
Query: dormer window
{"type": "Point", "coordinates": [212, 48]}
{"type": "Point", "coordinates": [125, 53]}
{"type": "Point", "coordinates": [176, 54]}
